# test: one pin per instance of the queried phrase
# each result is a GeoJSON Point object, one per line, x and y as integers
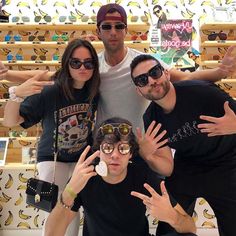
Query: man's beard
{"type": "Point", "coordinates": [165, 87]}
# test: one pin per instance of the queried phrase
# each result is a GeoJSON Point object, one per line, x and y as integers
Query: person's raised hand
{"type": "Point", "coordinates": [151, 140]}
{"type": "Point", "coordinates": [224, 125]}
{"type": "Point", "coordinates": [83, 171]}
{"type": "Point", "coordinates": [32, 86]}
{"type": "Point", "coordinates": [228, 63]}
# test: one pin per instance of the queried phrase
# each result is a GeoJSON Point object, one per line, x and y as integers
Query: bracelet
{"type": "Point", "coordinates": [70, 191]}
{"type": "Point", "coordinates": [63, 204]}
{"type": "Point", "coordinates": [12, 95]}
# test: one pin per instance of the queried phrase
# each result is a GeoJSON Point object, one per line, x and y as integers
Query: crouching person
{"type": "Point", "coordinates": [110, 191]}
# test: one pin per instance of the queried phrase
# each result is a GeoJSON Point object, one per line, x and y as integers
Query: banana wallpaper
{"type": "Point", "coordinates": [14, 213]}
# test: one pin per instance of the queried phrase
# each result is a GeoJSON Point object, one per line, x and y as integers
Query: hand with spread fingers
{"type": "Point", "coordinates": [224, 125]}
{"type": "Point", "coordinates": [3, 71]}
{"type": "Point", "coordinates": [158, 206]}
{"type": "Point", "coordinates": [150, 142]}
{"type": "Point", "coordinates": [83, 171]}
{"type": "Point", "coordinates": [228, 64]}
{"type": "Point", "coordinates": [33, 85]}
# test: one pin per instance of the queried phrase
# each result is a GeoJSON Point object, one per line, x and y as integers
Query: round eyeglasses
{"type": "Point", "coordinates": [108, 148]}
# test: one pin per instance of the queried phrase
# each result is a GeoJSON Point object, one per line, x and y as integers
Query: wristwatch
{"type": "Point", "coordinates": [12, 95]}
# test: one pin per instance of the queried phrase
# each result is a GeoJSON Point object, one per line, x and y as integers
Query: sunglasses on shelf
{"type": "Point", "coordinates": [76, 64]}
{"type": "Point", "coordinates": [155, 72]}
{"type": "Point", "coordinates": [213, 36]}
{"type": "Point", "coordinates": [17, 57]}
{"type": "Point", "coordinates": [119, 26]}
{"type": "Point", "coordinates": [142, 18]}
{"type": "Point", "coordinates": [108, 148]}
{"type": "Point", "coordinates": [46, 18]}
{"type": "Point", "coordinates": [16, 37]}
{"type": "Point", "coordinates": [56, 37]}
{"type": "Point", "coordinates": [16, 19]}
{"type": "Point", "coordinates": [70, 18]}
{"type": "Point", "coordinates": [36, 57]}
{"type": "Point", "coordinates": [123, 128]}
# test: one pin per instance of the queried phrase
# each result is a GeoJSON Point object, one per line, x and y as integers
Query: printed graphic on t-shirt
{"type": "Point", "coordinates": [185, 131]}
{"type": "Point", "coordinates": [75, 124]}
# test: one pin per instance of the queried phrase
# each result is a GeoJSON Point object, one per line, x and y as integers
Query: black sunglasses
{"type": "Point", "coordinates": [75, 63]}
{"type": "Point", "coordinates": [108, 148]}
{"type": "Point", "coordinates": [157, 11]}
{"type": "Point", "coordinates": [155, 72]}
{"type": "Point", "coordinates": [119, 26]}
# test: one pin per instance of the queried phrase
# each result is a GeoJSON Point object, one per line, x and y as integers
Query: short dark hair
{"type": "Point", "coordinates": [140, 58]}
{"type": "Point", "coordinates": [157, 6]}
{"type": "Point", "coordinates": [63, 77]}
{"type": "Point", "coordinates": [116, 137]}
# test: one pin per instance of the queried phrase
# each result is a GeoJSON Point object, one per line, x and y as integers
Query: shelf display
{"type": "Point", "coordinates": [216, 38]}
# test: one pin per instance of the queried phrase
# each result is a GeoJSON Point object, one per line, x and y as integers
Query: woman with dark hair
{"type": "Point", "coordinates": [65, 106]}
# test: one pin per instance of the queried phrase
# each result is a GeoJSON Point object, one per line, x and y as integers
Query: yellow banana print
{"type": "Point", "coordinates": [207, 3]}
{"type": "Point", "coordinates": [81, 2]}
{"type": "Point", "coordinates": [207, 215]}
{"type": "Point", "coordinates": [60, 4]}
{"type": "Point", "coordinates": [44, 2]}
{"type": "Point", "coordinates": [24, 216]}
{"type": "Point", "coordinates": [23, 4]}
{"type": "Point", "coordinates": [170, 4]}
{"type": "Point", "coordinates": [23, 225]}
{"type": "Point", "coordinates": [96, 4]}
{"type": "Point", "coordinates": [1, 207]}
{"type": "Point", "coordinates": [202, 201]}
{"type": "Point", "coordinates": [9, 219]}
{"type": "Point", "coordinates": [19, 200]}
{"type": "Point", "coordinates": [133, 4]}
{"type": "Point", "coordinates": [36, 221]}
{"type": "Point", "coordinates": [21, 187]}
{"type": "Point", "coordinates": [5, 198]}
{"type": "Point", "coordinates": [208, 224]}
{"type": "Point", "coordinates": [9, 182]}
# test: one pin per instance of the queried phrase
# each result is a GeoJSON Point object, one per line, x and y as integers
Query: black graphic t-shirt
{"type": "Point", "coordinates": [194, 98]}
{"type": "Point", "coordinates": [76, 119]}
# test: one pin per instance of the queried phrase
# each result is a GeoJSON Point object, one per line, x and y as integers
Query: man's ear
{"type": "Point", "coordinates": [167, 74]}
{"type": "Point", "coordinates": [98, 33]}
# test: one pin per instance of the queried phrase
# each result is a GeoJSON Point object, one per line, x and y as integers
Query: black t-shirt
{"type": "Point", "coordinates": [194, 98]}
{"type": "Point", "coordinates": [76, 119]}
{"type": "Point", "coordinates": [110, 210]}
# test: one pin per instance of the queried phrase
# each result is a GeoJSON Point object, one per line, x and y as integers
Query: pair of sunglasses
{"type": "Point", "coordinates": [156, 12]}
{"type": "Point", "coordinates": [155, 72]}
{"type": "Point", "coordinates": [70, 18]}
{"type": "Point", "coordinates": [56, 37]}
{"type": "Point", "coordinates": [143, 18]}
{"type": "Point", "coordinates": [8, 38]}
{"type": "Point", "coordinates": [46, 18]}
{"type": "Point", "coordinates": [18, 57]}
{"type": "Point", "coordinates": [36, 57]}
{"type": "Point", "coordinates": [33, 37]}
{"type": "Point", "coordinates": [123, 128]}
{"type": "Point", "coordinates": [108, 148]}
{"type": "Point", "coordinates": [119, 26]}
{"type": "Point", "coordinates": [213, 36]}
{"type": "Point", "coordinates": [88, 64]}
{"type": "Point", "coordinates": [16, 19]}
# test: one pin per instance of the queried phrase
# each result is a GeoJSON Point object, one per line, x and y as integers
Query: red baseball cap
{"type": "Point", "coordinates": [101, 15]}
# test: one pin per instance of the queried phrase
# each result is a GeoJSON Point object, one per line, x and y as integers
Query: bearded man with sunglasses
{"type": "Point", "coordinates": [203, 166]}
{"type": "Point", "coordinates": [109, 201]}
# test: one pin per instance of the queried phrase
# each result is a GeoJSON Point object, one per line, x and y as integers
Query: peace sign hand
{"type": "Point", "coordinates": [158, 206]}
{"type": "Point", "coordinates": [83, 171]}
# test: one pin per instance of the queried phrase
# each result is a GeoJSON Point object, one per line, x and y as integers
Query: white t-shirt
{"type": "Point", "coordinates": [118, 96]}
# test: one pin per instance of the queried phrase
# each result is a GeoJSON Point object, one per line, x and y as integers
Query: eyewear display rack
{"type": "Point", "coordinates": [215, 39]}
